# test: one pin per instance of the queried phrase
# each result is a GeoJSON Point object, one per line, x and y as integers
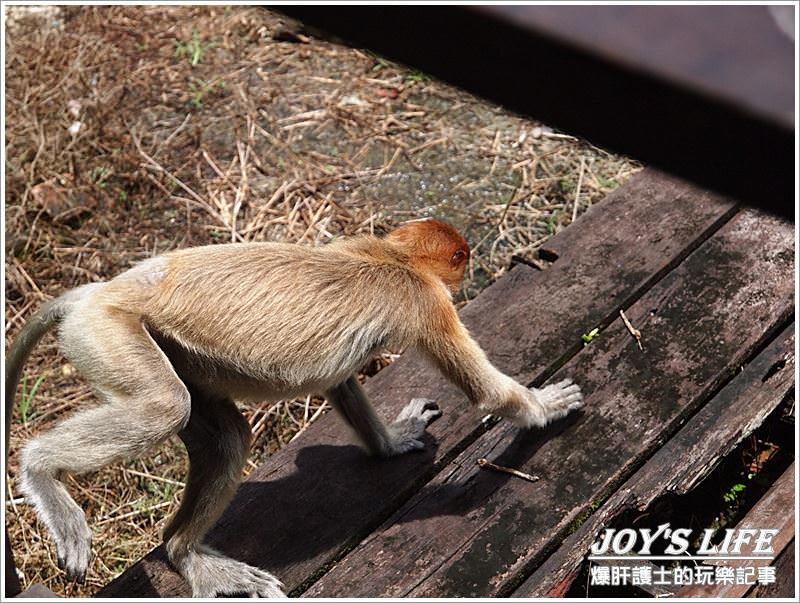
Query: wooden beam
{"type": "Point", "coordinates": [784, 578]}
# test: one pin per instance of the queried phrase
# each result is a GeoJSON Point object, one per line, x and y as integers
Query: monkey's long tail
{"type": "Point", "coordinates": [40, 323]}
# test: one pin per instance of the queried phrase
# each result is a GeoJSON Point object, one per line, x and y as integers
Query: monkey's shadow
{"type": "Point", "coordinates": [292, 520]}
{"type": "Point", "coordinates": [303, 514]}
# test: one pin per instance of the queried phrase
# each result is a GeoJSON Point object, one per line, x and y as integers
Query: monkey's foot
{"type": "Point", "coordinates": [559, 399]}
{"type": "Point", "coordinates": [73, 545]}
{"type": "Point", "coordinates": [211, 574]}
{"type": "Point", "coordinates": [410, 424]}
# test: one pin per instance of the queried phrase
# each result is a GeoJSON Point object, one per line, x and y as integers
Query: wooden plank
{"type": "Point", "coordinates": [773, 511]}
{"type": "Point", "coordinates": [471, 533]}
{"type": "Point", "coordinates": [684, 461]}
{"type": "Point", "coordinates": [784, 578]}
{"type": "Point", "coordinates": [684, 43]}
{"type": "Point", "coordinates": [321, 494]}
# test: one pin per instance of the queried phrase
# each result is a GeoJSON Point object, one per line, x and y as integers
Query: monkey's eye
{"type": "Point", "coordinates": [458, 256]}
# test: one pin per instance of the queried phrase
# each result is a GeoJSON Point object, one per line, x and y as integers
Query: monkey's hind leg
{"type": "Point", "coordinates": [217, 439]}
{"type": "Point", "coordinates": [146, 403]}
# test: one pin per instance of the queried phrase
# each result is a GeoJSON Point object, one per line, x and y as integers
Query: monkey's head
{"type": "Point", "coordinates": [436, 247]}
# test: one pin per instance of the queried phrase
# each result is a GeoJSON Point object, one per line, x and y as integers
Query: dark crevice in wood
{"type": "Point", "coordinates": [769, 336]}
{"type": "Point", "coordinates": [547, 255]}
{"type": "Point", "coordinates": [773, 370]}
{"type": "Point", "coordinates": [661, 510]}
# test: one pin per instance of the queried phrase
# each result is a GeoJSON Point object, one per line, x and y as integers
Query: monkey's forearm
{"type": "Point", "coordinates": [464, 362]}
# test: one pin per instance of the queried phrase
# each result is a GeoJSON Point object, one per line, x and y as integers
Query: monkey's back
{"type": "Point", "coordinates": [285, 314]}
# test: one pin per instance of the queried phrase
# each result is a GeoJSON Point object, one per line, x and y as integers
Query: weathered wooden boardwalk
{"type": "Point", "coordinates": [709, 284]}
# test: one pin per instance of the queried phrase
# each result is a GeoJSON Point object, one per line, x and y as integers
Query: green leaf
{"type": "Point", "coordinates": [27, 397]}
{"type": "Point", "coordinates": [591, 335]}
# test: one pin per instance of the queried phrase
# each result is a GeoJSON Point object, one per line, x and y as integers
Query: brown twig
{"type": "Point", "coordinates": [635, 332]}
{"type": "Point", "coordinates": [484, 464]}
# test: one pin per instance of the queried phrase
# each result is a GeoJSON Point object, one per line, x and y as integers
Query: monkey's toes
{"type": "Point", "coordinates": [78, 574]}
{"type": "Point", "coordinates": [74, 550]}
{"type": "Point", "coordinates": [211, 574]}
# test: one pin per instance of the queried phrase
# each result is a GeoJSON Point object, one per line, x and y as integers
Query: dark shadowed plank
{"type": "Point", "coordinates": [321, 493]}
{"type": "Point", "coordinates": [775, 510]}
{"type": "Point", "coordinates": [472, 533]}
{"type": "Point", "coordinates": [684, 461]}
{"type": "Point", "coordinates": [37, 591]}
{"type": "Point", "coordinates": [784, 577]}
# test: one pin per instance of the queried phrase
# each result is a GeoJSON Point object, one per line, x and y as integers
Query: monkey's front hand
{"type": "Point", "coordinates": [550, 403]}
{"type": "Point", "coordinates": [410, 424]}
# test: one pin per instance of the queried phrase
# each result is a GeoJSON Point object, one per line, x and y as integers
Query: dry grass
{"type": "Point", "coordinates": [119, 148]}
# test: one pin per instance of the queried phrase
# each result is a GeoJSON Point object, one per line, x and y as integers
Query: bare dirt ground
{"type": "Point", "coordinates": [131, 131]}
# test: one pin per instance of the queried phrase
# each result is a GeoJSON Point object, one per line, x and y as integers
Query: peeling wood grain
{"type": "Point", "coordinates": [784, 578]}
{"type": "Point", "coordinates": [685, 460]}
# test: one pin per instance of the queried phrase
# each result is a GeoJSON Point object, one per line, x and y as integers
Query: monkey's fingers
{"type": "Point", "coordinates": [560, 398]}
{"type": "Point", "coordinates": [420, 408]}
{"type": "Point", "coordinates": [431, 413]}
{"type": "Point", "coordinates": [565, 384]}
{"type": "Point", "coordinates": [429, 404]}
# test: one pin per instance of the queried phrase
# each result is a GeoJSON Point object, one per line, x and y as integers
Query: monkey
{"type": "Point", "coordinates": [169, 344]}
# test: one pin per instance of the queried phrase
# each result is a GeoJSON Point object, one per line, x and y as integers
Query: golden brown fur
{"type": "Point", "coordinates": [169, 344]}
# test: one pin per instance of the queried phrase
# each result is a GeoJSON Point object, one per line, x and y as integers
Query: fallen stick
{"type": "Point", "coordinates": [484, 464]}
{"type": "Point", "coordinates": [635, 332]}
